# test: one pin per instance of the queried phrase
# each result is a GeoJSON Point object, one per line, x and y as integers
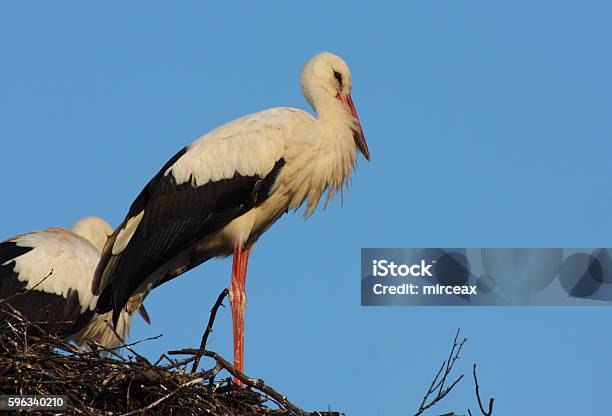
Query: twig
{"type": "Point", "coordinates": [256, 384]}
{"type": "Point", "coordinates": [209, 326]}
{"type": "Point", "coordinates": [10, 310]}
{"type": "Point", "coordinates": [127, 346]}
{"type": "Point", "coordinates": [47, 364]}
{"type": "Point", "coordinates": [23, 292]}
{"type": "Point", "coordinates": [163, 357]}
{"type": "Point", "coordinates": [439, 383]}
{"type": "Point", "coordinates": [158, 401]}
{"type": "Point", "coordinates": [210, 374]}
{"type": "Point", "coordinates": [177, 364]}
{"type": "Point", "coordinates": [491, 400]}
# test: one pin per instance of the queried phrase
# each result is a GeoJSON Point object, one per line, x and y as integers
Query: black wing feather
{"type": "Point", "coordinates": [108, 262]}
{"type": "Point", "coordinates": [175, 217]}
{"type": "Point", "coordinates": [55, 313]}
{"type": "Point", "coordinates": [9, 250]}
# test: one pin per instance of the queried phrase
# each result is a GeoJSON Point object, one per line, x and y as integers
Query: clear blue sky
{"type": "Point", "coordinates": [489, 124]}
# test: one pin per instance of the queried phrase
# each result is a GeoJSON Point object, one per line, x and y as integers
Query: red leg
{"type": "Point", "coordinates": [238, 303]}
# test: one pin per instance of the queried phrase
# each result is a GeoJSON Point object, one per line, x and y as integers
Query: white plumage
{"type": "Point", "coordinates": [67, 255]}
{"type": "Point", "coordinates": [249, 145]}
{"type": "Point", "coordinates": [220, 193]}
{"type": "Point", "coordinates": [60, 262]}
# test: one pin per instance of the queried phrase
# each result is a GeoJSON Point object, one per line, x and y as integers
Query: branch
{"type": "Point", "coordinates": [23, 292]}
{"type": "Point", "coordinates": [158, 401]}
{"type": "Point", "coordinates": [209, 327]}
{"type": "Point", "coordinates": [256, 384]}
{"type": "Point", "coordinates": [439, 383]}
{"type": "Point", "coordinates": [126, 345]}
{"type": "Point", "coordinates": [491, 400]}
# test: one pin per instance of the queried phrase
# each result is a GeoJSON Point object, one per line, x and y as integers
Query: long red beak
{"type": "Point", "coordinates": [358, 133]}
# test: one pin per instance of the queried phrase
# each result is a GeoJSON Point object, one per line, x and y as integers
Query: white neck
{"type": "Point", "coordinates": [330, 153]}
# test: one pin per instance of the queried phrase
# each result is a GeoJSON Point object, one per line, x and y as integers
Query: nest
{"type": "Point", "coordinates": [103, 382]}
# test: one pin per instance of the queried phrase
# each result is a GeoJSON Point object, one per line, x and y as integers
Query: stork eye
{"type": "Point", "coordinates": [338, 76]}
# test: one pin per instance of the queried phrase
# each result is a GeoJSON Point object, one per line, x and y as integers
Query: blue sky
{"type": "Point", "coordinates": [489, 125]}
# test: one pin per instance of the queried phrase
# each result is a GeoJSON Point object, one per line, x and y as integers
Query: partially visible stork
{"type": "Point", "coordinates": [46, 277]}
{"type": "Point", "coordinates": [219, 194]}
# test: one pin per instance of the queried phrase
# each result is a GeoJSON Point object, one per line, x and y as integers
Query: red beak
{"type": "Point", "coordinates": [358, 133]}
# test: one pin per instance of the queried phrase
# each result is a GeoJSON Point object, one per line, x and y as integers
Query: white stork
{"type": "Point", "coordinates": [220, 193]}
{"type": "Point", "coordinates": [46, 276]}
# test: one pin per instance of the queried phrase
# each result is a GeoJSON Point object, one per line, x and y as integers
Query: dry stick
{"type": "Point", "coordinates": [131, 344]}
{"type": "Point", "coordinates": [431, 388]}
{"type": "Point", "coordinates": [176, 364]}
{"type": "Point", "coordinates": [439, 385]}
{"type": "Point", "coordinates": [23, 292]}
{"type": "Point", "coordinates": [212, 373]}
{"type": "Point", "coordinates": [161, 358]}
{"type": "Point", "coordinates": [209, 327]}
{"type": "Point", "coordinates": [127, 346]}
{"type": "Point", "coordinates": [256, 384]}
{"type": "Point", "coordinates": [158, 401]}
{"type": "Point", "coordinates": [451, 361]}
{"type": "Point", "coordinates": [10, 310]}
{"type": "Point", "coordinates": [114, 350]}
{"type": "Point", "coordinates": [118, 369]}
{"type": "Point", "coordinates": [491, 400]}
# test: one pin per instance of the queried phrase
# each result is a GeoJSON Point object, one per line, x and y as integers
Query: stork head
{"type": "Point", "coordinates": [325, 77]}
{"type": "Point", "coordinates": [94, 229]}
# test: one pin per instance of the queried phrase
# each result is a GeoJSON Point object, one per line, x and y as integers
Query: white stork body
{"type": "Point", "coordinates": [219, 194]}
{"type": "Point", "coordinates": [46, 276]}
